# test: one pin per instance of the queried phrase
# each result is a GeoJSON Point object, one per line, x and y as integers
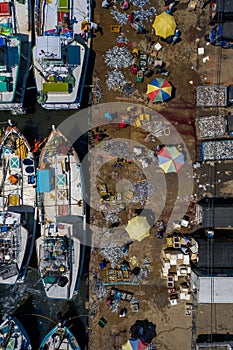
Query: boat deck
{"type": "Point", "coordinates": [17, 171]}
{"type": "Point", "coordinates": [60, 55]}
{"type": "Point", "coordinates": [23, 23]}
{"type": "Point", "coordinates": [79, 12]}
{"type": "Point", "coordinates": [62, 216]}
{"type": "Point", "coordinates": [58, 255]}
{"type": "Point", "coordinates": [13, 242]}
{"type": "Point", "coordinates": [15, 30]}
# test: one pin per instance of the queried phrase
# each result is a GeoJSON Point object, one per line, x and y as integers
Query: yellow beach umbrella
{"type": "Point", "coordinates": [164, 25]}
{"type": "Point", "coordinates": [138, 228]}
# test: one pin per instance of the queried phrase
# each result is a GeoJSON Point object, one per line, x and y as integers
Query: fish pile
{"type": "Point", "coordinates": [122, 39]}
{"type": "Point", "coordinates": [139, 3]}
{"type": "Point", "coordinates": [141, 15]}
{"type": "Point", "coordinates": [100, 291]}
{"type": "Point", "coordinates": [116, 148]}
{"type": "Point", "coordinates": [118, 57]}
{"type": "Point", "coordinates": [217, 150]}
{"type": "Point", "coordinates": [112, 252]}
{"type": "Point", "coordinates": [115, 80]}
{"type": "Point", "coordinates": [128, 89]}
{"type": "Point", "coordinates": [120, 17]}
{"type": "Point", "coordinates": [212, 126]}
{"type": "Point", "coordinates": [142, 190]}
{"type": "Point", "coordinates": [211, 96]}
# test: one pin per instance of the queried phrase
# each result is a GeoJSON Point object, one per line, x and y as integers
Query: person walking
{"type": "Point", "coordinates": [95, 28]}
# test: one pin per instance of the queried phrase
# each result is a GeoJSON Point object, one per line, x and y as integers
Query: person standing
{"type": "Point", "coordinates": [125, 5]}
{"type": "Point", "coordinates": [169, 4]}
{"type": "Point", "coordinates": [131, 18]}
{"type": "Point", "coordinates": [175, 37]}
{"type": "Point", "coordinates": [93, 26]}
{"type": "Point", "coordinates": [105, 4]}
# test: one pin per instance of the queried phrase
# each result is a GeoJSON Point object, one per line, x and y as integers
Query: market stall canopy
{"type": "Point", "coordinates": [134, 345]}
{"type": "Point", "coordinates": [159, 90]}
{"type": "Point", "coordinates": [170, 159]}
{"type": "Point", "coordinates": [164, 25]}
{"type": "Point", "coordinates": [138, 228]}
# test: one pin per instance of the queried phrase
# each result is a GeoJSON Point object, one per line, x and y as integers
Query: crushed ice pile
{"type": "Point", "coordinates": [115, 80]}
{"type": "Point", "coordinates": [118, 57]}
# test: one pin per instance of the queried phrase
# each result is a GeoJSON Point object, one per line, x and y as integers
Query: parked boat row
{"type": "Point", "coordinates": [14, 336]}
{"type": "Point", "coordinates": [59, 56]}
{"type": "Point", "coordinates": [54, 192]}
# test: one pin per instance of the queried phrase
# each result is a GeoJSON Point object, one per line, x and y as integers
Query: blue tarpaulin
{"type": "Point", "coordinates": [74, 55]}
{"type": "Point", "coordinates": [45, 180]}
{"type": "Point", "coordinates": [2, 42]}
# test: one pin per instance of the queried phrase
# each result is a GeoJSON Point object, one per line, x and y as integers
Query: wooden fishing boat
{"type": "Point", "coordinates": [60, 337]}
{"type": "Point", "coordinates": [60, 248]}
{"type": "Point", "coordinates": [61, 52]}
{"type": "Point", "coordinates": [15, 49]}
{"type": "Point", "coordinates": [13, 335]}
{"type": "Point", "coordinates": [17, 200]}
{"type": "Point", "coordinates": [17, 170]}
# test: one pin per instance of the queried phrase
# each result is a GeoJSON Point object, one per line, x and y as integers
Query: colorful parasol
{"type": "Point", "coordinates": [164, 25]}
{"type": "Point", "coordinates": [159, 90]}
{"type": "Point", "coordinates": [170, 159]}
{"type": "Point", "coordinates": [134, 345]}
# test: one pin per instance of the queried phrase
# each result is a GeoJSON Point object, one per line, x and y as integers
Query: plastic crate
{"type": "Point", "coordinates": [115, 29]}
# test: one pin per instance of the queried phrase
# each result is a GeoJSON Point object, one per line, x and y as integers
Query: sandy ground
{"type": "Point", "coordinates": [175, 330]}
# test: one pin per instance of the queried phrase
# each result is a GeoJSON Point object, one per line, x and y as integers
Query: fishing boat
{"type": "Point", "coordinates": [17, 199]}
{"type": "Point", "coordinates": [61, 51]}
{"type": "Point", "coordinates": [60, 248]}
{"type": "Point", "coordinates": [15, 53]}
{"type": "Point", "coordinates": [13, 335]}
{"type": "Point", "coordinates": [17, 170]}
{"type": "Point", "coordinates": [60, 337]}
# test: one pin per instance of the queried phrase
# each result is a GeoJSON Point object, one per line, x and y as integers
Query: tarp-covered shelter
{"type": "Point", "coordinates": [212, 289]}
{"type": "Point", "coordinates": [224, 11]}
{"type": "Point", "coordinates": [215, 212]}
{"type": "Point", "coordinates": [215, 252]}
